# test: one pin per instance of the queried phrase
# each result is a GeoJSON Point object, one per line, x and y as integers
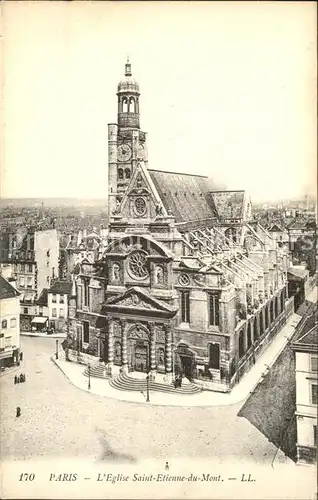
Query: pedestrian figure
{"type": "Point", "coordinates": [18, 380]}
{"type": "Point", "coordinates": [21, 378]}
{"type": "Point", "coordinates": [18, 411]}
{"type": "Point", "coordinates": [167, 466]}
{"type": "Point", "coordinates": [24, 377]}
{"type": "Point", "coordinates": [15, 380]}
{"type": "Point", "coordinates": [21, 356]}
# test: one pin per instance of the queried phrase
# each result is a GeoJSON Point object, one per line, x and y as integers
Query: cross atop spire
{"type": "Point", "coordinates": [127, 67]}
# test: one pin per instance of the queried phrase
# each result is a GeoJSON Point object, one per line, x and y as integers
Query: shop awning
{"type": "Point", "coordinates": [40, 320]}
{"type": "Point", "coordinates": [6, 354]}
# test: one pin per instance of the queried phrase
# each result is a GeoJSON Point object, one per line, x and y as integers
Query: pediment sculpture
{"type": "Point", "coordinates": [135, 301]}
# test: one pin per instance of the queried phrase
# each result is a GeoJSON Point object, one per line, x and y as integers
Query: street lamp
{"type": "Point", "coordinates": [57, 350]}
{"type": "Point", "coordinates": [148, 380]}
{"type": "Point", "coordinates": [89, 375]}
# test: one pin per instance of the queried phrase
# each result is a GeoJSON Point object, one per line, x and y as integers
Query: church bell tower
{"type": "Point", "coordinates": [127, 144]}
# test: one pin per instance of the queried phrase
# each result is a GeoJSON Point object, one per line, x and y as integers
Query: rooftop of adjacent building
{"type": "Point", "coordinates": [7, 291]}
{"type": "Point", "coordinates": [297, 271]}
{"type": "Point", "coordinates": [42, 300]}
{"type": "Point", "coordinates": [306, 334]}
{"type": "Point", "coordinates": [61, 287]}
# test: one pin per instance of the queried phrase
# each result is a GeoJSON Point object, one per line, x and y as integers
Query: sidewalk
{"type": "Point", "coordinates": [101, 387]}
{"type": "Point", "coordinates": [44, 335]}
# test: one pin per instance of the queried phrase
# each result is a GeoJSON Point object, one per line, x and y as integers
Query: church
{"type": "Point", "coordinates": [187, 284]}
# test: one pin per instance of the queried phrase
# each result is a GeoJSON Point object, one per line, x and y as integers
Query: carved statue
{"type": "Point", "coordinates": [116, 271]}
{"type": "Point", "coordinates": [161, 357]}
{"type": "Point", "coordinates": [159, 210]}
{"type": "Point", "coordinates": [117, 351]}
{"type": "Point", "coordinates": [159, 275]}
{"type": "Point", "coordinates": [116, 210]}
{"type": "Point", "coordinates": [139, 181]}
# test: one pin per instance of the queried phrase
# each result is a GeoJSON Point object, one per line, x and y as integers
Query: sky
{"type": "Point", "coordinates": [228, 90]}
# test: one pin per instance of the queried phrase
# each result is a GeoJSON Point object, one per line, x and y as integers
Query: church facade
{"type": "Point", "coordinates": [187, 284]}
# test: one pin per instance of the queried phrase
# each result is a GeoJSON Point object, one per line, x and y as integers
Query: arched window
{"type": "Point", "coordinates": [120, 174]}
{"type": "Point", "coordinates": [125, 105]}
{"type": "Point", "coordinates": [249, 335]}
{"type": "Point", "coordinates": [127, 173]}
{"type": "Point", "coordinates": [241, 344]}
{"type": "Point", "coordinates": [4, 324]}
{"type": "Point", "coordinates": [132, 106]}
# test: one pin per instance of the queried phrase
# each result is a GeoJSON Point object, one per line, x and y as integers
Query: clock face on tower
{"type": "Point", "coordinates": [124, 152]}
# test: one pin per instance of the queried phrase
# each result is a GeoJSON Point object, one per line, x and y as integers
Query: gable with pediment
{"type": "Point", "coordinates": [136, 299]}
{"type": "Point", "coordinates": [141, 200]}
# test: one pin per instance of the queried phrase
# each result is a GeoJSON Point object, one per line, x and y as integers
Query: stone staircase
{"type": "Point", "coordinates": [97, 371]}
{"type": "Point", "coordinates": [126, 383]}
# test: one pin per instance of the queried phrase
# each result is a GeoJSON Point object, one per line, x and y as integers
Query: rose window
{"type": "Point", "coordinates": [137, 265]}
{"type": "Point", "coordinates": [140, 206]}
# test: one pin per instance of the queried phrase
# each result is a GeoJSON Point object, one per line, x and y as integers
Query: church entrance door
{"type": "Point", "coordinates": [141, 358]}
{"type": "Point", "coordinates": [187, 365]}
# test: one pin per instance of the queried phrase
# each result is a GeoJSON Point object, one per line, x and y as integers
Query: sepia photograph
{"type": "Point", "coordinates": [158, 250]}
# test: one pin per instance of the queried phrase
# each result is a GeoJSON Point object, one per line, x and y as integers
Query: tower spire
{"type": "Point", "coordinates": [127, 67]}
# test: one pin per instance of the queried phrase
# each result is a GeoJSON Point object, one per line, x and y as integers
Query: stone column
{"type": "Point", "coordinates": [245, 337]}
{"type": "Point", "coordinates": [124, 358]}
{"type": "Point", "coordinates": [98, 345]}
{"type": "Point", "coordinates": [168, 342]}
{"type": "Point", "coordinates": [286, 291]}
{"type": "Point", "coordinates": [110, 346]}
{"type": "Point", "coordinates": [153, 365]}
{"type": "Point", "coordinates": [252, 330]}
{"type": "Point", "coordinates": [264, 320]}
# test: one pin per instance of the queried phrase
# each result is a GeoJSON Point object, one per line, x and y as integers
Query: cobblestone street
{"type": "Point", "coordinates": [60, 420]}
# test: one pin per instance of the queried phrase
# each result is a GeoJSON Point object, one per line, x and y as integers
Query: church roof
{"type": "Point", "coordinates": [185, 195]}
{"type": "Point", "coordinates": [229, 204]}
